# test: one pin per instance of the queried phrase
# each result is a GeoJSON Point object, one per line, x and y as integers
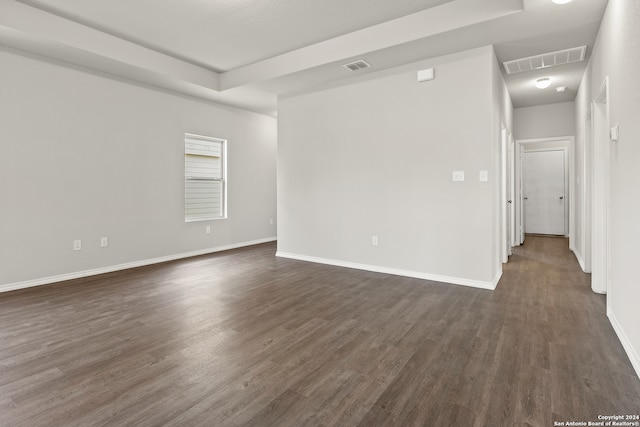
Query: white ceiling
{"type": "Point", "coordinates": [247, 52]}
{"type": "Point", "coordinates": [227, 34]}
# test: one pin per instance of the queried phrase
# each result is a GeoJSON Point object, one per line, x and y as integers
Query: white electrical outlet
{"type": "Point", "coordinates": [77, 245]}
{"type": "Point", "coordinates": [374, 240]}
{"type": "Point", "coordinates": [208, 229]}
{"type": "Point", "coordinates": [104, 242]}
{"type": "Point", "coordinates": [271, 221]}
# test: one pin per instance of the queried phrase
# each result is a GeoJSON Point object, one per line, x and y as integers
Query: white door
{"type": "Point", "coordinates": [521, 206]}
{"type": "Point", "coordinates": [512, 193]}
{"type": "Point", "coordinates": [544, 192]}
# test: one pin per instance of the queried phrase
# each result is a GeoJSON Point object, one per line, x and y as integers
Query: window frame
{"type": "Point", "coordinates": [190, 137]}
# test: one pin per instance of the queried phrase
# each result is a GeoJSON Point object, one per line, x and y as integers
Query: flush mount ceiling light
{"type": "Point", "coordinates": [561, 1]}
{"type": "Point", "coordinates": [543, 83]}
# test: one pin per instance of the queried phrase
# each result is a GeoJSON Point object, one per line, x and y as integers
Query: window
{"type": "Point", "coordinates": [204, 178]}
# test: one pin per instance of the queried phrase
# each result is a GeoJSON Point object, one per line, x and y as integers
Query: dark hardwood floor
{"type": "Point", "coordinates": [243, 338]}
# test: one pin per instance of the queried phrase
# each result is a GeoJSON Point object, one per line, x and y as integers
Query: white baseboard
{"type": "Point", "coordinates": [112, 268]}
{"type": "Point", "coordinates": [497, 279]}
{"type": "Point", "coordinates": [579, 258]}
{"type": "Point", "coordinates": [398, 272]}
{"type": "Point", "coordinates": [626, 343]}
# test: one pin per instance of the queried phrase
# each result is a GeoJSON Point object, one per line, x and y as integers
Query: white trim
{"type": "Point", "coordinates": [512, 194]}
{"type": "Point", "coordinates": [188, 150]}
{"type": "Point", "coordinates": [397, 272]}
{"type": "Point", "coordinates": [503, 232]}
{"type": "Point", "coordinates": [626, 342]}
{"type": "Point", "coordinates": [494, 282]}
{"type": "Point", "coordinates": [549, 139]}
{"type": "Point", "coordinates": [579, 258]}
{"type": "Point", "coordinates": [93, 272]}
{"type": "Point", "coordinates": [600, 198]}
{"type": "Point", "coordinates": [587, 183]}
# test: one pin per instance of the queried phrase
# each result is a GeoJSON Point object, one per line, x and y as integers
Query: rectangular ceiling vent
{"type": "Point", "coordinates": [551, 59]}
{"type": "Point", "coordinates": [357, 65]}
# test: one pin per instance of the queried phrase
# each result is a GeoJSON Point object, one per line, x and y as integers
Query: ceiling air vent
{"type": "Point", "coordinates": [357, 65]}
{"type": "Point", "coordinates": [551, 59]}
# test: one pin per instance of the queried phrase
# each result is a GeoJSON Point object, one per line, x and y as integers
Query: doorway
{"type": "Point", "coordinates": [523, 146]}
{"type": "Point", "coordinates": [544, 192]}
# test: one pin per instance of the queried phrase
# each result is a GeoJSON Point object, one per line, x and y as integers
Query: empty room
{"type": "Point", "coordinates": [319, 213]}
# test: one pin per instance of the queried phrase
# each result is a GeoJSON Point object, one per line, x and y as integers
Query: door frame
{"type": "Point", "coordinates": [600, 194]}
{"type": "Point", "coordinates": [565, 184]}
{"type": "Point", "coordinates": [507, 211]}
{"type": "Point", "coordinates": [546, 144]}
{"type": "Point", "coordinates": [504, 232]}
{"type": "Point", "coordinates": [512, 153]}
{"type": "Point", "coordinates": [584, 258]}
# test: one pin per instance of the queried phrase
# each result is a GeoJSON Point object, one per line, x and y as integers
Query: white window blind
{"type": "Point", "coordinates": [204, 178]}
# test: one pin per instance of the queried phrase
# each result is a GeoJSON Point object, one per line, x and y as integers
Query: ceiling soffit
{"type": "Point", "coordinates": [445, 28]}
{"type": "Point", "coordinates": [225, 34]}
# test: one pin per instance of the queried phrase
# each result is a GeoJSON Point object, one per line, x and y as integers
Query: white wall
{"type": "Point", "coordinates": [544, 121]}
{"type": "Point", "coordinates": [376, 158]}
{"type": "Point", "coordinates": [617, 55]}
{"type": "Point", "coordinates": [84, 156]}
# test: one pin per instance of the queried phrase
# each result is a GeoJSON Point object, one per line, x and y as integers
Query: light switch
{"type": "Point", "coordinates": [614, 134]}
{"type": "Point", "coordinates": [458, 176]}
{"type": "Point", "coordinates": [484, 176]}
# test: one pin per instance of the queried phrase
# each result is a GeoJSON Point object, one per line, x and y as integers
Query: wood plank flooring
{"type": "Point", "coordinates": [243, 338]}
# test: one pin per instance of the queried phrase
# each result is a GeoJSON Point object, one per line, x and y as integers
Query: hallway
{"type": "Point", "coordinates": [568, 340]}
